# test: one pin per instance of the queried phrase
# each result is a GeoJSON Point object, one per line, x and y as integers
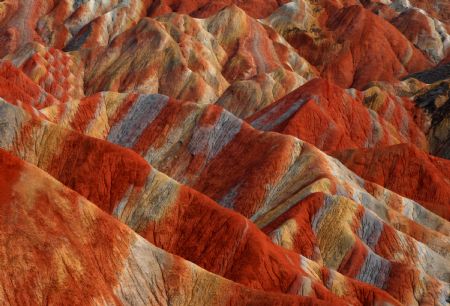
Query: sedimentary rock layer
{"type": "Point", "coordinates": [224, 152]}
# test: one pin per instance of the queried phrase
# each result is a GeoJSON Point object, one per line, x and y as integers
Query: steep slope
{"type": "Point", "coordinates": [20, 90]}
{"type": "Point", "coordinates": [18, 21]}
{"type": "Point", "coordinates": [427, 34]}
{"type": "Point", "coordinates": [60, 24]}
{"type": "Point", "coordinates": [427, 176]}
{"type": "Point", "coordinates": [334, 119]}
{"type": "Point", "coordinates": [341, 42]}
{"type": "Point", "coordinates": [419, 23]}
{"type": "Point", "coordinates": [435, 8]}
{"type": "Point", "coordinates": [393, 215]}
{"type": "Point", "coordinates": [286, 160]}
{"type": "Point", "coordinates": [187, 142]}
{"type": "Point", "coordinates": [204, 8]}
{"type": "Point", "coordinates": [226, 56]}
{"type": "Point", "coordinates": [60, 248]}
{"type": "Point", "coordinates": [162, 211]}
{"type": "Point", "coordinates": [56, 72]}
{"type": "Point", "coordinates": [435, 102]}
{"type": "Point", "coordinates": [368, 243]}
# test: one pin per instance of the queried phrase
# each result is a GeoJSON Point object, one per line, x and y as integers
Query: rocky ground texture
{"type": "Point", "coordinates": [260, 152]}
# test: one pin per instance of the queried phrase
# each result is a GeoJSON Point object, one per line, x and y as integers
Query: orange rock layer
{"type": "Point", "coordinates": [189, 153]}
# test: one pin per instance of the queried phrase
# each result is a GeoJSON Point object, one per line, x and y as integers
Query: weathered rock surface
{"type": "Point", "coordinates": [59, 248]}
{"type": "Point", "coordinates": [332, 118]}
{"type": "Point", "coordinates": [419, 23]}
{"type": "Point", "coordinates": [427, 34]}
{"type": "Point", "coordinates": [428, 182]}
{"type": "Point", "coordinates": [187, 153]}
{"type": "Point", "coordinates": [435, 102]}
{"type": "Point", "coordinates": [340, 41]}
{"type": "Point", "coordinates": [118, 197]}
{"type": "Point", "coordinates": [164, 212]}
{"type": "Point", "coordinates": [205, 8]}
{"type": "Point", "coordinates": [436, 74]}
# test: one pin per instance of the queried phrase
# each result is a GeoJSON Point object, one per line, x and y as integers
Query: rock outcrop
{"type": "Point", "coordinates": [224, 152]}
{"type": "Point", "coordinates": [59, 248]}
{"type": "Point", "coordinates": [350, 45]}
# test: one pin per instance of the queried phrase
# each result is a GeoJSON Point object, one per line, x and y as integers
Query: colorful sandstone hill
{"type": "Point", "coordinates": [224, 152]}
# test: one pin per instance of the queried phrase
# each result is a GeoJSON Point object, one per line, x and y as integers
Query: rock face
{"type": "Point", "coordinates": [205, 8]}
{"type": "Point", "coordinates": [188, 153]}
{"type": "Point", "coordinates": [86, 256]}
{"type": "Point", "coordinates": [435, 101]}
{"type": "Point", "coordinates": [420, 22]}
{"type": "Point", "coordinates": [341, 43]}
{"type": "Point", "coordinates": [332, 118]}
{"type": "Point", "coordinates": [427, 34]}
{"type": "Point", "coordinates": [219, 59]}
{"type": "Point", "coordinates": [427, 183]}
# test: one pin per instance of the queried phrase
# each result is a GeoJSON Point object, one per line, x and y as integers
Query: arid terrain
{"type": "Point", "coordinates": [225, 152]}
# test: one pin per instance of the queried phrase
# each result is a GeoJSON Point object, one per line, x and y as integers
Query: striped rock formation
{"type": "Point", "coordinates": [332, 118]}
{"type": "Point", "coordinates": [338, 40]}
{"type": "Point", "coordinates": [205, 8]}
{"type": "Point", "coordinates": [395, 121]}
{"type": "Point", "coordinates": [419, 23]}
{"type": "Point", "coordinates": [187, 153]}
{"type": "Point", "coordinates": [56, 72]}
{"type": "Point", "coordinates": [435, 44]}
{"type": "Point", "coordinates": [427, 176]}
{"type": "Point", "coordinates": [70, 23]}
{"type": "Point", "coordinates": [426, 103]}
{"type": "Point", "coordinates": [400, 215]}
{"type": "Point", "coordinates": [20, 90]}
{"type": "Point", "coordinates": [62, 249]}
{"type": "Point", "coordinates": [228, 58]}
{"type": "Point", "coordinates": [148, 202]}
{"type": "Point", "coordinates": [435, 8]}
